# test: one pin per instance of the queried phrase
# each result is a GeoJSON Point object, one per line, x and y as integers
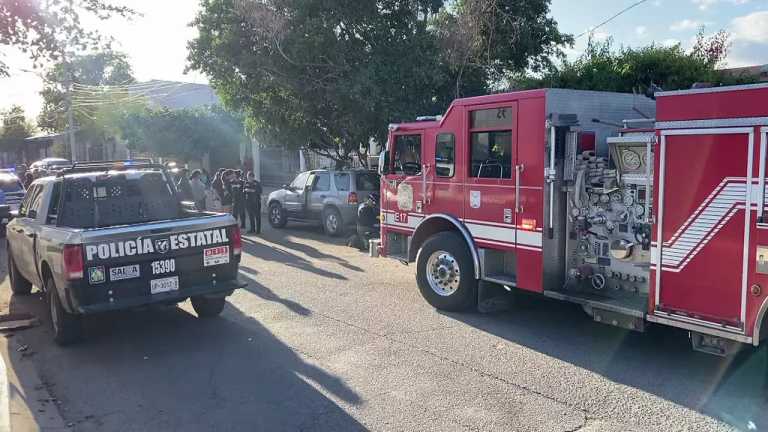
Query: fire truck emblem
{"type": "Point", "coordinates": [706, 221]}
{"type": "Point", "coordinates": [405, 197]}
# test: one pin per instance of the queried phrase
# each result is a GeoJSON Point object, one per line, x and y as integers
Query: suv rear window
{"type": "Point", "coordinates": [117, 198]}
{"type": "Point", "coordinates": [367, 181]}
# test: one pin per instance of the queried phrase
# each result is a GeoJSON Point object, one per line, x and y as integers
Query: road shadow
{"type": "Point", "coordinates": [248, 275]}
{"type": "Point", "coordinates": [281, 238]}
{"type": "Point", "coordinates": [165, 369]}
{"type": "Point", "coordinates": [275, 252]}
{"type": "Point", "coordinates": [659, 361]}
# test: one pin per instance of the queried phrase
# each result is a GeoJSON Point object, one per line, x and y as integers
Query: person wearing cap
{"type": "Point", "coordinates": [253, 202]}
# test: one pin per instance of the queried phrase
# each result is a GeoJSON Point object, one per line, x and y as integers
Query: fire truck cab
{"type": "Point", "coordinates": [639, 210]}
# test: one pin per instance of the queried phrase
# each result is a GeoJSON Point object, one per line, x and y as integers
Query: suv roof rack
{"type": "Point", "coordinates": [91, 166]}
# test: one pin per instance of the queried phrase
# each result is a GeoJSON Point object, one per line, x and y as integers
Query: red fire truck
{"type": "Point", "coordinates": [639, 210]}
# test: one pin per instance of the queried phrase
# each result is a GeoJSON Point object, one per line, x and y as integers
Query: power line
{"type": "Point", "coordinates": [623, 11]}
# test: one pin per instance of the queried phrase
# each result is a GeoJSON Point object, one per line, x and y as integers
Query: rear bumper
{"type": "Point", "coordinates": [209, 289]}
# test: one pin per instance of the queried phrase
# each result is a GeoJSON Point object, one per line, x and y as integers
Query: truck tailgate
{"type": "Point", "coordinates": [157, 261]}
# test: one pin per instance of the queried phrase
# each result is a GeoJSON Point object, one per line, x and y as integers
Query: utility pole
{"type": "Point", "coordinates": [70, 114]}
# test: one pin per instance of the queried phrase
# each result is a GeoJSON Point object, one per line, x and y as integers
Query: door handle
{"type": "Point", "coordinates": [518, 170]}
{"type": "Point", "coordinates": [323, 196]}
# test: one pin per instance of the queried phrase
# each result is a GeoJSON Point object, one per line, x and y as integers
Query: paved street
{"type": "Point", "coordinates": [326, 338]}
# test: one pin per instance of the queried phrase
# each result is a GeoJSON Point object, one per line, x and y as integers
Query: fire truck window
{"type": "Point", "coordinates": [491, 154]}
{"type": "Point", "coordinates": [494, 118]}
{"type": "Point", "coordinates": [445, 151]}
{"type": "Point", "coordinates": [408, 154]}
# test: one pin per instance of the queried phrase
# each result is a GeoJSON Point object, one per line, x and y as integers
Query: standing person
{"type": "Point", "coordinates": [253, 202]}
{"type": "Point", "coordinates": [197, 188]}
{"type": "Point", "coordinates": [226, 195]}
{"type": "Point", "coordinates": [28, 179]}
{"type": "Point", "coordinates": [238, 198]}
{"type": "Point", "coordinates": [183, 185]}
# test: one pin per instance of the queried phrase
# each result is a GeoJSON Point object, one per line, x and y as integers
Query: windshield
{"type": "Point", "coordinates": [116, 198]}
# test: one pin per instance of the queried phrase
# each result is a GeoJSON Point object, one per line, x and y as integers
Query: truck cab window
{"type": "Point", "coordinates": [445, 154]}
{"type": "Point", "coordinates": [491, 154]}
{"type": "Point", "coordinates": [408, 154]}
{"type": "Point", "coordinates": [491, 143]}
{"type": "Point", "coordinates": [53, 208]}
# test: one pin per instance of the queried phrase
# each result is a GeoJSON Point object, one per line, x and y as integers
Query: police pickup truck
{"type": "Point", "coordinates": [104, 236]}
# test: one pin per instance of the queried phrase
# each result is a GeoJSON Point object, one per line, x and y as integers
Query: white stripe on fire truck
{"type": "Point", "coordinates": [709, 218]}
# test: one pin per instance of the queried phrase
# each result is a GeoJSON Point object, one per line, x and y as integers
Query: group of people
{"type": "Point", "coordinates": [228, 191]}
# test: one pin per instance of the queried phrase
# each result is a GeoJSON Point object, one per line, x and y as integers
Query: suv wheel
{"type": "Point", "coordinates": [332, 223]}
{"type": "Point", "coordinates": [67, 328]}
{"type": "Point", "coordinates": [19, 285]}
{"type": "Point", "coordinates": [277, 216]}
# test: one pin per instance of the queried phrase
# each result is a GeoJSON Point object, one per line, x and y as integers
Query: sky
{"type": "Point", "coordinates": [156, 42]}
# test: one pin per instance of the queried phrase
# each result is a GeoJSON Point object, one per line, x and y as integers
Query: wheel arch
{"type": "Point", "coordinates": [761, 323]}
{"type": "Point", "coordinates": [438, 223]}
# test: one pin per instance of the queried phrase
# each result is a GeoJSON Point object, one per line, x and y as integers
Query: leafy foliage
{"type": "Point", "coordinates": [601, 67]}
{"type": "Point", "coordinates": [182, 134]}
{"type": "Point", "coordinates": [329, 75]}
{"type": "Point", "coordinates": [47, 33]}
{"type": "Point", "coordinates": [15, 129]}
{"type": "Point", "coordinates": [106, 68]}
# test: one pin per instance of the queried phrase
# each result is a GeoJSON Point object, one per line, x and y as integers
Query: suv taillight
{"type": "Point", "coordinates": [73, 262]}
{"type": "Point", "coordinates": [352, 198]}
{"type": "Point", "coordinates": [237, 241]}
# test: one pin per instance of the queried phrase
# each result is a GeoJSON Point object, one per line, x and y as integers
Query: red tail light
{"type": "Point", "coordinates": [352, 198]}
{"type": "Point", "coordinates": [73, 262]}
{"type": "Point", "coordinates": [237, 241]}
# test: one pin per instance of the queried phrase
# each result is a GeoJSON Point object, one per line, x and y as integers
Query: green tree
{"type": "Point", "coordinates": [184, 135]}
{"type": "Point", "coordinates": [329, 75]}
{"type": "Point", "coordinates": [601, 67]}
{"type": "Point", "coordinates": [15, 129]}
{"type": "Point", "coordinates": [48, 32]}
{"type": "Point", "coordinates": [106, 68]}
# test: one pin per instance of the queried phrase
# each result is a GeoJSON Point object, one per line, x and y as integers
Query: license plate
{"type": "Point", "coordinates": [215, 256]}
{"type": "Point", "coordinates": [126, 272]}
{"type": "Point", "coordinates": [164, 285]}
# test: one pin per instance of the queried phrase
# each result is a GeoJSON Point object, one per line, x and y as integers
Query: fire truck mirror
{"type": "Point", "coordinates": [762, 259]}
{"type": "Point", "coordinates": [383, 163]}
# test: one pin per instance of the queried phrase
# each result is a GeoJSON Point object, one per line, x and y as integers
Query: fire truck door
{"type": "Point", "coordinates": [491, 200]}
{"type": "Point", "coordinates": [404, 186]}
{"type": "Point", "coordinates": [705, 182]}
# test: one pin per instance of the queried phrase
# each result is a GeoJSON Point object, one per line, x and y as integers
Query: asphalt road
{"type": "Point", "coordinates": [326, 338]}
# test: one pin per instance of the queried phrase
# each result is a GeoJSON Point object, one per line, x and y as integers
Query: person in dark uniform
{"type": "Point", "coordinates": [253, 202]}
{"type": "Point", "coordinates": [238, 197]}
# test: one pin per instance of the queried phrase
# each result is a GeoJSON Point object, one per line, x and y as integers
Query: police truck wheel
{"type": "Point", "coordinates": [67, 328]}
{"type": "Point", "coordinates": [19, 285]}
{"type": "Point", "coordinates": [445, 273]}
{"type": "Point", "coordinates": [332, 223]}
{"type": "Point", "coordinates": [208, 307]}
{"type": "Point", "coordinates": [277, 216]}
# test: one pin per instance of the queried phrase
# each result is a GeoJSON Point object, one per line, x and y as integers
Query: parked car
{"type": "Point", "coordinates": [106, 236]}
{"type": "Point", "coordinates": [328, 196]}
{"type": "Point", "coordinates": [11, 193]}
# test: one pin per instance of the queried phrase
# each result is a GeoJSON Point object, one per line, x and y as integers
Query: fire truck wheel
{"type": "Point", "coordinates": [444, 273]}
{"type": "Point", "coordinates": [19, 285]}
{"type": "Point", "coordinates": [67, 328]}
{"type": "Point", "coordinates": [277, 216]}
